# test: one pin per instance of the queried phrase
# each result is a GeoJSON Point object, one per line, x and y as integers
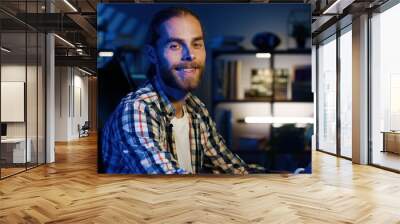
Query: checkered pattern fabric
{"type": "Point", "coordinates": [138, 137]}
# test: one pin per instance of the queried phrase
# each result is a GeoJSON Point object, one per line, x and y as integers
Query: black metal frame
{"type": "Point", "coordinates": [338, 153]}
{"type": "Point", "coordinates": [369, 78]}
{"type": "Point", "coordinates": [316, 100]}
{"type": "Point", "coordinates": [338, 98]}
{"type": "Point", "coordinates": [44, 75]}
{"type": "Point", "coordinates": [26, 87]}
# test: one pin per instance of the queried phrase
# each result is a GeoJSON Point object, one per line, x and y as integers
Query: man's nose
{"type": "Point", "coordinates": [188, 54]}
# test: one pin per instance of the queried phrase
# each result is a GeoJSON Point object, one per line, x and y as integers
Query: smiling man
{"type": "Point", "coordinates": [162, 128]}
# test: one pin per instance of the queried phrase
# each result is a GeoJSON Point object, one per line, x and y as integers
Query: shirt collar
{"type": "Point", "coordinates": [165, 103]}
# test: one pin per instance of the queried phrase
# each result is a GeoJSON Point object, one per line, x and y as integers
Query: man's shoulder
{"type": "Point", "coordinates": [135, 101]}
{"type": "Point", "coordinates": [144, 95]}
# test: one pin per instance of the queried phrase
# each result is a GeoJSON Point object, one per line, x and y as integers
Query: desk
{"type": "Point", "coordinates": [16, 147]}
{"type": "Point", "coordinates": [391, 141]}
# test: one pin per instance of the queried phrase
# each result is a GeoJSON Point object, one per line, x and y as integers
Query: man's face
{"type": "Point", "coordinates": [181, 53]}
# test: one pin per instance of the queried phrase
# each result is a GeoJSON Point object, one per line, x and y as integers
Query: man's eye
{"type": "Point", "coordinates": [198, 45]}
{"type": "Point", "coordinates": [174, 46]}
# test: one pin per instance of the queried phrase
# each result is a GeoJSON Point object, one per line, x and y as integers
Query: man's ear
{"type": "Point", "coordinates": [151, 53]}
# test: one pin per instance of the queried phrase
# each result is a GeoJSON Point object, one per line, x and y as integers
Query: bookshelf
{"type": "Point", "coordinates": [253, 142]}
{"type": "Point", "coordinates": [219, 93]}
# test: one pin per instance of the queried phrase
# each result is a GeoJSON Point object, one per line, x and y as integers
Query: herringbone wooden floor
{"type": "Point", "coordinates": [70, 191]}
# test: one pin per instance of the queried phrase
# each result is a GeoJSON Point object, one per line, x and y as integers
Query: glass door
{"type": "Point", "coordinates": [326, 95]}
{"type": "Point", "coordinates": [345, 49]}
{"type": "Point", "coordinates": [385, 89]}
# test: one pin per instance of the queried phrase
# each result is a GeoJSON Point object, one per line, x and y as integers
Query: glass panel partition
{"type": "Point", "coordinates": [327, 95]}
{"type": "Point", "coordinates": [346, 93]}
{"type": "Point", "coordinates": [22, 76]}
{"type": "Point", "coordinates": [385, 89]}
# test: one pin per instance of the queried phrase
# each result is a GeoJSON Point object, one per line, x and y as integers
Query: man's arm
{"type": "Point", "coordinates": [141, 141]}
{"type": "Point", "coordinates": [216, 150]}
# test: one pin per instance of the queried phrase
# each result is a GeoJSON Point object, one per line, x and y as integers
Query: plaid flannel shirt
{"type": "Point", "coordinates": [138, 137]}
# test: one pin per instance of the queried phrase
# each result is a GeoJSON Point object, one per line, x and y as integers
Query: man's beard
{"type": "Point", "coordinates": [171, 78]}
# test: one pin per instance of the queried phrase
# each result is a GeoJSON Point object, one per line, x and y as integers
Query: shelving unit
{"type": "Point", "coordinates": [218, 53]}
{"type": "Point", "coordinates": [247, 151]}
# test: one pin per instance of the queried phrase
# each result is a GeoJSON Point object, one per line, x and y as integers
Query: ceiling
{"type": "Point", "coordinates": [76, 21]}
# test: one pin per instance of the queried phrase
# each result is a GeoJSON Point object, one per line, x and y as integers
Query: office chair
{"type": "Point", "coordinates": [84, 130]}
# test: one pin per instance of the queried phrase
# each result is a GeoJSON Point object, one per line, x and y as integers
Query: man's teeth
{"type": "Point", "coordinates": [186, 69]}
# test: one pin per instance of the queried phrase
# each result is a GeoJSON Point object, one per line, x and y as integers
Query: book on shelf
{"type": "Point", "coordinates": [228, 79]}
{"type": "Point", "coordinates": [281, 84]}
{"type": "Point", "coordinates": [301, 85]}
{"type": "Point", "coordinates": [219, 81]}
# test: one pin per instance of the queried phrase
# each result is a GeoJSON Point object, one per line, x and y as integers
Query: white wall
{"type": "Point", "coordinates": [71, 93]}
{"type": "Point", "coordinates": [79, 117]}
{"type": "Point", "coordinates": [61, 103]}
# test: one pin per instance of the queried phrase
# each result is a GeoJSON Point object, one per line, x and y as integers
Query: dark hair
{"type": "Point", "coordinates": [162, 16]}
{"type": "Point", "coordinates": [159, 18]}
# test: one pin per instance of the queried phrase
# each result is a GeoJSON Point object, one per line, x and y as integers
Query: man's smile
{"type": "Point", "coordinates": [187, 70]}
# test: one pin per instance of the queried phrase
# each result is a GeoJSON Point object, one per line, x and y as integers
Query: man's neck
{"type": "Point", "coordinates": [178, 105]}
{"type": "Point", "coordinates": [176, 97]}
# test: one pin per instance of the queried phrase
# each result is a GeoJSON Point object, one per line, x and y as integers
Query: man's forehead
{"type": "Point", "coordinates": [181, 26]}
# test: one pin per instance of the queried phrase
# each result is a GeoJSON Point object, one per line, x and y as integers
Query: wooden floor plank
{"type": "Point", "coordinates": [70, 191]}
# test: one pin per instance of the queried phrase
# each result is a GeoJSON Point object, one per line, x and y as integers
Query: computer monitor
{"type": "Point", "coordinates": [3, 129]}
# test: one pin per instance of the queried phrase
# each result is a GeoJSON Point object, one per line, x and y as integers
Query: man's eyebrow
{"type": "Point", "coordinates": [198, 38]}
{"type": "Point", "coordinates": [174, 39]}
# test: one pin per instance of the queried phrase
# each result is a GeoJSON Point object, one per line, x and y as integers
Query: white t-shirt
{"type": "Point", "coordinates": [180, 131]}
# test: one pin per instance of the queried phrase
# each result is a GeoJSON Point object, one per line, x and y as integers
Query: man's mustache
{"type": "Point", "coordinates": [189, 65]}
